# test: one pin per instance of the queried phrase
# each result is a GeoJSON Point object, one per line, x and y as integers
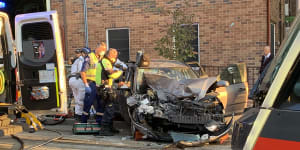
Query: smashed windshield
{"type": "Point", "coordinates": [277, 61]}
{"type": "Point", "coordinates": [172, 73]}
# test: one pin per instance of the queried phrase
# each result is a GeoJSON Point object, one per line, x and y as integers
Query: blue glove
{"type": "Point", "coordinates": [88, 90]}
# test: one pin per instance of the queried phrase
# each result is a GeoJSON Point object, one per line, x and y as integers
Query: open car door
{"type": "Point", "coordinates": [41, 63]}
{"type": "Point", "coordinates": [7, 61]}
{"type": "Point", "coordinates": [237, 91]}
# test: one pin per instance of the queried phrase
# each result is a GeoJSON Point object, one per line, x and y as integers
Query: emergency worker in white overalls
{"type": "Point", "coordinates": [76, 83]}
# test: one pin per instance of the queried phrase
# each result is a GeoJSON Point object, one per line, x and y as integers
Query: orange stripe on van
{"type": "Point", "coordinates": [263, 143]}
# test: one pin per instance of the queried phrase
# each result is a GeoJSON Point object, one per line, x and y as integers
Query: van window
{"type": "Point", "coordinates": [289, 95]}
{"type": "Point", "coordinates": [38, 42]}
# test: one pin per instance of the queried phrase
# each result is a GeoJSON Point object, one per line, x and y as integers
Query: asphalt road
{"type": "Point", "coordinates": [122, 141]}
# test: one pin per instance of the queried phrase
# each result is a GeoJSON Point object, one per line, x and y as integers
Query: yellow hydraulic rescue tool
{"type": "Point", "coordinates": [22, 112]}
{"type": "Point", "coordinates": [31, 119]}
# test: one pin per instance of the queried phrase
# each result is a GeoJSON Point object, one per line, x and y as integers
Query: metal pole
{"type": "Point", "coordinates": [85, 24]}
{"type": "Point", "coordinates": [65, 30]}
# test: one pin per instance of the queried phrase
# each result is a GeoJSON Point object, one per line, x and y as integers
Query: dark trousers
{"type": "Point", "coordinates": [109, 111]}
{"type": "Point", "coordinates": [89, 100]}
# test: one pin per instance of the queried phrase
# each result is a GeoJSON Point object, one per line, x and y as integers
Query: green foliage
{"type": "Point", "coordinates": [177, 43]}
{"type": "Point", "coordinates": [289, 19]}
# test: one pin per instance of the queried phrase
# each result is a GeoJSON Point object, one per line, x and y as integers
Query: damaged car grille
{"type": "Point", "coordinates": [163, 104]}
{"type": "Point", "coordinates": [194, 119]}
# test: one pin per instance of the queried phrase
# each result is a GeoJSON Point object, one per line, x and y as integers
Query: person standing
{"type": "Point", "coordinates": [110, 74]}
{"type": "Point", "coordinates": [76, 84]}
{"type": "Point", "coordinates": [266, 58]}
{"type": "Point", "coordinates": [88, 75]}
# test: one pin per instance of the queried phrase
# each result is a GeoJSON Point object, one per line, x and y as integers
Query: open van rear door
{"type": "Point", "coordinates": [41, 62]}
{"type": "Point", "coordinates": [7, 60]}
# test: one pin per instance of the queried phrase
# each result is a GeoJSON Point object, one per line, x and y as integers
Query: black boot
{"type": "Point", "coordinates": [106, 131]}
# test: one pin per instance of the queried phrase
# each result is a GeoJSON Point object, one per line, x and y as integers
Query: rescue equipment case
{"type": "Point", "coordinates": [86, 128]}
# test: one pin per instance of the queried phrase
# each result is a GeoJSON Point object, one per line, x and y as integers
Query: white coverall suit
{"type": "Point", "coordinates": [77, 85]}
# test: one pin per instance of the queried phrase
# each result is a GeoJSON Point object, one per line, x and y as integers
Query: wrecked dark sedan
{"type": "Point", "coordinates": [167, 100]}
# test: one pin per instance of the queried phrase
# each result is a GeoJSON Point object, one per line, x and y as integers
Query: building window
{"type": "Point", "coordinates": [273, 40]}
{"type": "Point", "coordinates": [195, 43]}
{"type": "Point", "coordinates": [119, 39]}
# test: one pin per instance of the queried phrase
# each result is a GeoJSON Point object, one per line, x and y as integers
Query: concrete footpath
{"type": "Point", "coordinates": [69, 141]}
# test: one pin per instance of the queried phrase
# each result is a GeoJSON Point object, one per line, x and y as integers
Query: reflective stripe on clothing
{"type": "Point", "coordinates": [85, 113]}
{"type": "Point", "coordinates": [91, 72]}
{"type": "Point", "coordinates": [100, 114]}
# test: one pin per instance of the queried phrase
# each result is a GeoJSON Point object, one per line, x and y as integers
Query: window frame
{"type": "Point", "coordinates": [107, 38]}
{"type": "Point", "coordinates": [51, 31]}
{"type": "Point", "coordinates": [198, 46]}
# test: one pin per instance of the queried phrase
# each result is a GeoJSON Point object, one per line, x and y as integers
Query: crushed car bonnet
{"type": "Point", "coordinates": [167, 88]}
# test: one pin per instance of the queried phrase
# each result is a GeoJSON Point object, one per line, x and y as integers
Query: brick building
{"type": "Point", "coordinates": [230, 31]}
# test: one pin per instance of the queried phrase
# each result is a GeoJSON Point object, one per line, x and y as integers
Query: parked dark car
{"type": "Point", "coordinates": [169, 97]}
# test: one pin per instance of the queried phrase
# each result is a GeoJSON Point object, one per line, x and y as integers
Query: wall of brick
{"type": "Point", "coordinates": [292, 7]}
{"type": "Point", "coordinates": [230, 31]}
{"type": "Point", "coordinates": [277, 18]}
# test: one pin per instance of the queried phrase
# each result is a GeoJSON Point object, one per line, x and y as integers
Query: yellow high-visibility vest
{"type": "Point", "coordinates": [91, 72]}
{"type": "Point", "coordinates": [108, 65]}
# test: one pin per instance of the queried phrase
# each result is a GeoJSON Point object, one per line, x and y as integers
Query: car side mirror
{"type": "Point", "coordinates": [222, 83]}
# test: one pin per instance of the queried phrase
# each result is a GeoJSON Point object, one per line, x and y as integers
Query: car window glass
{"type": "Point", "coordinates": [232, 74]}
{"type": "Point", "coordinates": [289, 95]}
